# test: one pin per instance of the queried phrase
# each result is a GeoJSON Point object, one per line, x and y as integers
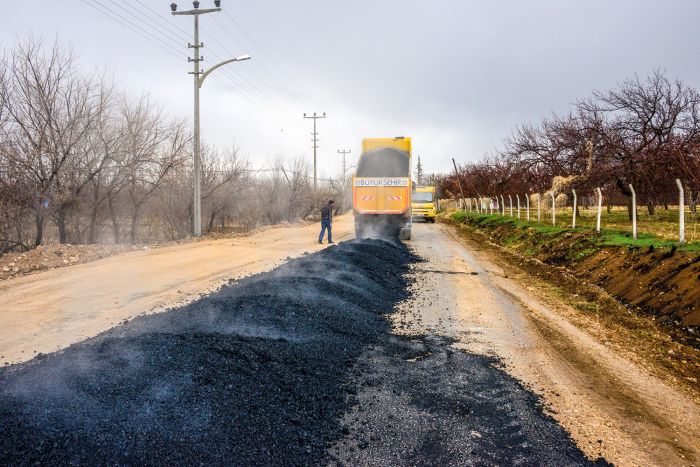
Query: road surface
{"type": "Point", "coordinates": [612, 407]}
{"type": "Point", "coordinates": [481, 342]}
{"type": "Point", "coordinates": [50, 310]}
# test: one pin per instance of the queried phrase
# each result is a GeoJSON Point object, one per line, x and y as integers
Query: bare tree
{"type": "Point", "coordinates": [225, 176]}
{"type": "Point", "coordinates": [50, 109]}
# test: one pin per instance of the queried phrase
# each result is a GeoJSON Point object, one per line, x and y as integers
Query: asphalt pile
{"type": "Point", "coordinates": [254, 374]}
{"type": "Point", "coordinates": [297, 366]}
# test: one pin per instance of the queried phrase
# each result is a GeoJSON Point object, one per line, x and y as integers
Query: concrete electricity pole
{"type": "Point", "coordinates": [344, 152]}
{"type": "Point", "coordinates": [460, 183]}
{"type": "Point", "coordinates": [199, 77]}
{"type": "Point", "coordinates": [315, 141]}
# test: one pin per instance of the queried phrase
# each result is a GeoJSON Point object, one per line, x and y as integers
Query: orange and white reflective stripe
{"type": "Point", "coordinates": [394, 198]}
{"type": "Point", "coordinates": [367, 198]}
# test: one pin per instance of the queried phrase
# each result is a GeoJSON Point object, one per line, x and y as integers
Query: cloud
{"type": "Point", "coordinates": [455, 76]}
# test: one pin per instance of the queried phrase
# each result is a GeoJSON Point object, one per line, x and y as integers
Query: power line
{"type": "Point", "coordinates": [261, 100]}
{"type": "Point", "coordinates": [268, 103]}
{"type": "Point", "coordinates": [246, 82]}
{"type": "Point", "coordinates": [163, 30]}
{"type": "Point", "coordinates": [259, 63]}
{"type": "Point", "coordinates": [132, 27]}
{"type": "Point", "coordinates": [273, 62]}
{"type": "Point", "coordinates": [233, 20]}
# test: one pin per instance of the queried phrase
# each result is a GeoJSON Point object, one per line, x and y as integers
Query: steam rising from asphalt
{"type": "Point", "coordinates": [382, 227]}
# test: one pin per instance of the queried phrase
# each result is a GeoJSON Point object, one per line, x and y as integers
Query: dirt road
{"type": "Point", "coordinates": [50, 310]}
{"type": "Point", "coordinates": [318, 376]}
{"type": "Point", "coordinates": [612, 407]}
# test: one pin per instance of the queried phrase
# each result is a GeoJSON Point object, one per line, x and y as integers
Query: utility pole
{"type": "Point", "coordinates": [344, 152]}
{"type": "Point", "coordinates": [315, 141]}
{"type": "Point", "coordinates": [460, 182]}
{"type": "Point", "coordinates": [199, 77]}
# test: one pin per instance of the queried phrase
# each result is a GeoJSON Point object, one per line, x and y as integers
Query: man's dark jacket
{"type": "Point", "coordinates": [326, 213]}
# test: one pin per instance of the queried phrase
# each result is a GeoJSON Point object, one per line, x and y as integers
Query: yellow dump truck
{"type": "Point", "coordinates": [423, 203]}
{"type": "Point", "coordinates": [381, 189]}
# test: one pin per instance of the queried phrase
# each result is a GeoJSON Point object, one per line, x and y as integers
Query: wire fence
{"type": "Point", "coordinates": [597, 211]}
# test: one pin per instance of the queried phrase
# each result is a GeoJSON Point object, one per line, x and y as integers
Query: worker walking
{"type": "Point", "coordinates": [326, 221]}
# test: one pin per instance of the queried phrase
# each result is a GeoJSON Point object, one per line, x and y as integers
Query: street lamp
{"type": "Point", "coordinates": [199, 77]}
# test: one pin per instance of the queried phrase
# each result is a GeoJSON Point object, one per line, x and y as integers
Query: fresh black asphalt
{"type": "Point", "coordinates": [292, 367]}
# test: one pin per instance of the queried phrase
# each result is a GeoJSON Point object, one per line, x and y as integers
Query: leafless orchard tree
{"type": "Point", "coordinates": [644, 132]}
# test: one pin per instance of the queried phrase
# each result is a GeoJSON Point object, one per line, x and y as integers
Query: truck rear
{"type": "Point", "coordinates": [423, 203]}
{"type": "Point", "coordinates": [381, 189]}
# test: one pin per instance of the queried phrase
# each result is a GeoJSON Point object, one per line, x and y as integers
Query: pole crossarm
{"type": "Point", "coordinates": [195, 12]}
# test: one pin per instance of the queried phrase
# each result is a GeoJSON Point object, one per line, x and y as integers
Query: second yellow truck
{"type": "Point", "coordinates": [423, 203]}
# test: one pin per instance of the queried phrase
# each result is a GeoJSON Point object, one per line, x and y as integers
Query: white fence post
{"type": "Point", "coordinates": [681, 214]}
{"type": "Point", "coordinates": [634, 212]}
{"type": "Point", "coordinates": [554, 209]}
{"type": "Point", "coordinates": [527, 200]}
{"type": "Point", "coordinates": [503, 206]}
{"type": "Point", "coordinates": [518, 198]}
{"type": "Point", "coordinates": [510, 199]}
{"type": "Point", "coordinates": [573, 222]}
{"type": "Point", "coordinates": [600, 207]}
{"type": "Point", "coordinates": [539, 207]}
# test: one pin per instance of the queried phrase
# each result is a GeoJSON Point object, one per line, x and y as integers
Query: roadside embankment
{"type": "Point", "coordinates": [657, 282]}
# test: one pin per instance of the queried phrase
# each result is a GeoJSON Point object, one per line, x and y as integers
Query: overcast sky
{"type": "Point", "coordinates": [456, 76]}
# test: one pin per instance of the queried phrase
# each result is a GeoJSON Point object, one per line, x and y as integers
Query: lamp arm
{"type": "Point", "coordinates": [206, 73]}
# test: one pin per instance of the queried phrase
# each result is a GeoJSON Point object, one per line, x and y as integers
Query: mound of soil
{"type": "Point", "coordinates": [292, 367]}
{"type": "Point", "coordinates": [663, 283]}
{"type": "Point", "coordinates": [56, 256]}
